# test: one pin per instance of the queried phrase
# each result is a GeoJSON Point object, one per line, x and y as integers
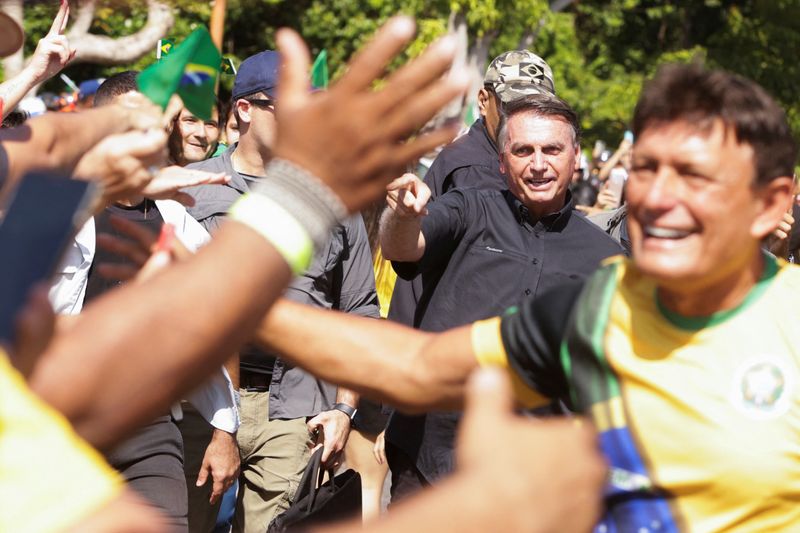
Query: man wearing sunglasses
{"type": "Point", "coordinates": [282, 405]}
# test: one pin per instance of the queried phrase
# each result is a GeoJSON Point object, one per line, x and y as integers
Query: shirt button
{"type": "Point", "coordinates": [527, 292]}
{"type": "Point", "coordinates": [535, 261]}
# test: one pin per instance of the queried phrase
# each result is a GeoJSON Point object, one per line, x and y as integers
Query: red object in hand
{"type": "Point", "coordinates": [165, 239]}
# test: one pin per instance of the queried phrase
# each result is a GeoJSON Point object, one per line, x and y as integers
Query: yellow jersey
{"type": "Point", "coordinates": [699, 419]}
{"type": "Point", "coordinates": [50, 479]}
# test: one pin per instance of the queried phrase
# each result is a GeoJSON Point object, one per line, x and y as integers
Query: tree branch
{"type": "Point", "coordinates": [114, 51]}
{"type": "Point", "coordinates": [83, 19]}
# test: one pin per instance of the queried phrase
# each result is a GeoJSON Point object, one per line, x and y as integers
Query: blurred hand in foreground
{"type": "Point", "coordinates": [356, 138]}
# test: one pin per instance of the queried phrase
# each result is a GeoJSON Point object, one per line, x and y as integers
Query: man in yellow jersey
{"type": "Point", "coordinates": [685, 358]}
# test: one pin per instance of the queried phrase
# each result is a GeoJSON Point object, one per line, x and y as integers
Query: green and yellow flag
{"type": "Point", "coordinates": [319, 71]}
{"type": "Point", "coordinates": [190, 69]}
{"type": "Point", "coordinates": [227, 67]}
{"type": "Point", "coordinates": [163, 48]}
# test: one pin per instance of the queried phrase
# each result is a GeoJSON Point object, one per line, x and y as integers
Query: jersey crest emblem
{"type": "Point", "coordinates": [761, 388]}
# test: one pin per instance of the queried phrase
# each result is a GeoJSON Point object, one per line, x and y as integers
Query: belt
{"type": "Point", "coordinates": [254, 381]}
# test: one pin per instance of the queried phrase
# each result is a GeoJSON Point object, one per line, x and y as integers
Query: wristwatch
{"type": "Point", "coordinates": [346, 409]}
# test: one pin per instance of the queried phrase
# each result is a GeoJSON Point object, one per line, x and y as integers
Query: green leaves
{"type": "Point", "coordinates": [600, 50]}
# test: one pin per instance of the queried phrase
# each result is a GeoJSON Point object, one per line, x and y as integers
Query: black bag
{"type": "Point", "coordinates": [337, 498]}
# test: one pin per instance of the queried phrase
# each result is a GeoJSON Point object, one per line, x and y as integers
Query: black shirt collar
{"type": "Point", "coordinates": [552, 222]}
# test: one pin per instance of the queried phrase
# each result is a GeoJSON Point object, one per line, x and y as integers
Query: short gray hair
{"type": "Point", "coordinates": [544, 105]}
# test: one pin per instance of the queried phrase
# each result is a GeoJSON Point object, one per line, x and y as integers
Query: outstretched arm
{"type": "Point", "coordinates": [408, 368]}
{"type": "Point", "coordinates": [136, 349]}
{"type": "Point", "coordinates": [58, 141]}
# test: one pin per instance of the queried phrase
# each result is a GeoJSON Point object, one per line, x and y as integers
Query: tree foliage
{"type": "Point", "coordinates": [113, 18]}
{"type": "Point", "coordinates": [624, 41]}
{"type": "Point", "coordinates": [600, 50]}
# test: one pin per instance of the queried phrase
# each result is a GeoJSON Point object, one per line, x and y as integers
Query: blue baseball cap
{"type": "Point", "coordinates": [257, 73]}
{"type": "Point", "coordinates": [89, 87]}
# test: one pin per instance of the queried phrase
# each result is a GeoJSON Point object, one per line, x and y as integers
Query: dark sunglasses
{"type": "Point", "coordinates": [262, 102]}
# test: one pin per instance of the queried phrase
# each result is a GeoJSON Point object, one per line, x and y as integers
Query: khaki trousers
{"type": "Point", "coordinates": [274, 455]}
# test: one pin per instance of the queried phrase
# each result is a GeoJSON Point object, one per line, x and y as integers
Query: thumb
{"type": "Point", "coordinates": [488, 397]}
{"type": "Point", "coordinates": [203, 475]}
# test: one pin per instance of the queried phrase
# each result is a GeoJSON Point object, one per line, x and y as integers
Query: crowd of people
{"type": "Point", "coordinates": [521, 339]}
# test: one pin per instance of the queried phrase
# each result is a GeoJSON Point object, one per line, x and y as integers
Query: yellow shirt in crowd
{"type": "Point", "coordinates": [50, 479]}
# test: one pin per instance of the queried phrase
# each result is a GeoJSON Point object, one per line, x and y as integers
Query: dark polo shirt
{"type": "Point", "coordinates": [483, 254]}
{"type": "Point", "coordinates": [469, 161]}
{"type": "Point", "coordinates": [488, 254]}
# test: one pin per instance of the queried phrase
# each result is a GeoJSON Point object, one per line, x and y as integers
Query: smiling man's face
{"type": "Point", "coordinates": [539, 157]}
{"type": "Point", "coordinates": [692, 203]}
{"type": "Point", "coordinates": [197, 137]}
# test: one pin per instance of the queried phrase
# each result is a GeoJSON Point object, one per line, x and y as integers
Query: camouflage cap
{"type": "Point", "coordinates": [519, 73]}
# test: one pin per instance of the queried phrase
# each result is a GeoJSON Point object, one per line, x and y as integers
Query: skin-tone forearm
{"type": "Point", "coordinates": [125, 514]}
{"type": "Point", "coordinates": [412, 370]}
{"type": "Point", "coordinates": [345, 395]}
{"type": "Point", "coordinates": [218, 312]}
{"type": "Point", "coordinates": [57, 141]}
{"type": "Point", "coordinates": [401, 236]}
{"type": "Point", "coordinates": [15, 89]}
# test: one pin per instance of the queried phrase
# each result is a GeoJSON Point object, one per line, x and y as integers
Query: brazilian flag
{"type": "Point", "coordinates": [227, 67]}
{"type": "Point", "coordinates": [163, 48]}
{"type": "Point", "coordinates": [191, 70]}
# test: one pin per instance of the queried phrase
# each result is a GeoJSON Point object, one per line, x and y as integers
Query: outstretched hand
{"type": "Point", "coordinates": [122, 162]}
{"type": "Point", "coordinates": [356, 138]}
{"type": "Point", "coordinates": [168, 182]}
{"type": "Point", "coordinates": [129, 164]}
{"type": "Point", "coordinates": [53, 52]}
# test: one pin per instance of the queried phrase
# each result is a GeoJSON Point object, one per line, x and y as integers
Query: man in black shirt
{"type": "Point", "coordinates": [487, 250]}
{"type": "Point", "coordinates": [472, 160]}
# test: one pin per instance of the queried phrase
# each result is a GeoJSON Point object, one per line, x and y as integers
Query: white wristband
{"type": "Point", "coordinates": [278, 226]}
